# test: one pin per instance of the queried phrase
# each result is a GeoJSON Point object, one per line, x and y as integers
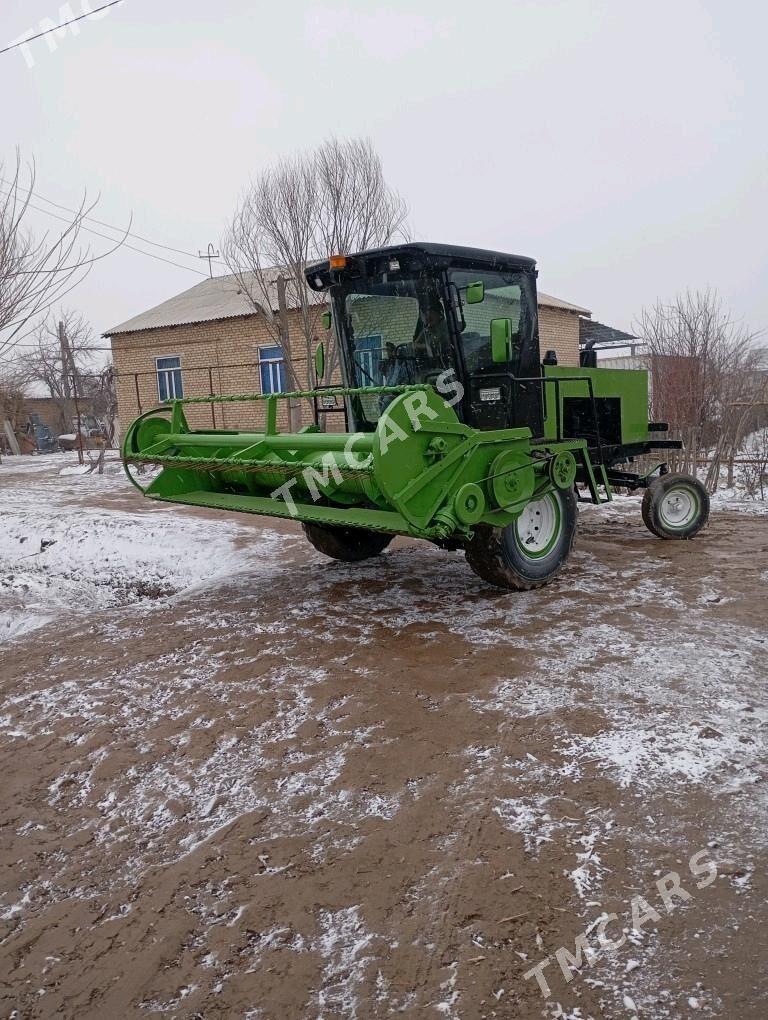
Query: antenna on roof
{"type": "Point", "coordinates": [210, 255]}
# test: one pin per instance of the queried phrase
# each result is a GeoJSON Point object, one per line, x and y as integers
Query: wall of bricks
{"type": "Point", "coordinates": [559, 331]}
{"type": "Point", "coordinates": [222, 357]}
{"type": "Point", "coordinates": [50, 413]}
{"type": "Point", "coordinates": [57, 415]}
{"type": "Point", "coordinates": [219, 357]}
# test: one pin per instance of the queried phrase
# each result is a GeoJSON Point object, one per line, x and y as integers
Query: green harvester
{"type": "Point", "coordinates": [455, 430]}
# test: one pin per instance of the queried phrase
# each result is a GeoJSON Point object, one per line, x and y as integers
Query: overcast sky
{"type": "Point", "coordinates": [622, 144]}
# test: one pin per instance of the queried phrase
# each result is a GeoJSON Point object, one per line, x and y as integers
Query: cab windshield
{"type": "Point", "coordinates": [396, 334]}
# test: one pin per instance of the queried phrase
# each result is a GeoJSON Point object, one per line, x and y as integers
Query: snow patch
{"type": "Point", "coordinates": [60, 556]}
{"type": "Point", "coordinates": [342, 943]}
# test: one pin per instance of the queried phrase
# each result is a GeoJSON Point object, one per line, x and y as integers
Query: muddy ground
{"type": "Point", "coordinates": [306, 789]}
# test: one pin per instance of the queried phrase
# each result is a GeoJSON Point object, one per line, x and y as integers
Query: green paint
{"type": "Point", "coordinates": [320, 361]}
{"type": "Point", "coordinates": [630, 386]}
{"type": "Point", "coordinates": [501, 341]}
{"type": "Point", "coordinates": [421, 472]}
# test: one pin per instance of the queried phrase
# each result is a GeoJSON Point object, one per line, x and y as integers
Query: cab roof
{"type": "Point", "coordinates": [441, 253]}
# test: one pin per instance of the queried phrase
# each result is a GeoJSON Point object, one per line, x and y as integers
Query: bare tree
{"type": "Point", "coordinates": [268, 243]}
{"type": "Point", "coordinates": [12, 388]}
{"type": "Point", "coordinates": [357, 208]}
{"type": "Point", "coordinates": [334, 199]}
{"type": "Point", "coordinates": [35, 271]}
{"type": "Point", "coordinates": [12, 395]}
{"type": "Point", "coordinates": [702, 363]}
{"type": "Point", "coordinates": [99, 390]}
{"type": "Point", "coordinates": [753, 469]}
{"type": "Point", "coordinates": [742, 392]}
{"type": "Point", "coordinates": [61, 375]}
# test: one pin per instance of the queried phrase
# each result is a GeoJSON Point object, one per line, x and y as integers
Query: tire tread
{"type": "Point", "coordinates": [654, 493]}
{"type": "Point", "coordinates": [350, 545]}
{"type": "Point", "coordinates": [486, 556]}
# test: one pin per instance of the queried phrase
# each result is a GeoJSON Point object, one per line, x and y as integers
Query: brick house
{"type": "Point", "coordinates": [209, 340]}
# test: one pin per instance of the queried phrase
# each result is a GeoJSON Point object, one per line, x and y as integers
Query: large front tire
{"type": "Point", "coordinates": [675, 506]}
{"type": "Point", "coordinates": [533, 549]}
{"type": "Point", "coordinates": [348, 544]}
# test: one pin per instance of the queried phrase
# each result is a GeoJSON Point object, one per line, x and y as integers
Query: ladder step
{"type": "Point", "coordinates": [592, 482]}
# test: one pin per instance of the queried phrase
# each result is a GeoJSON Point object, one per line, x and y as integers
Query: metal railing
{"type": "Point", "coordinates": [208, 371]}
{"type": "Point", "coordinates": [213, 398]}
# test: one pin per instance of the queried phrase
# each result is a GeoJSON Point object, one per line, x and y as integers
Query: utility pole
{"type": "Point", "coordinates": [210, 255]}
{"type": "Point", "coordinates": [80, 455]}
{"type": "Point", "coordinates": [67, 366]}
{"type": "Point", "coordinates": [65, 360]}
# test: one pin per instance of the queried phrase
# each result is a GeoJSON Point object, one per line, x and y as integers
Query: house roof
{"type": "Point", "coordinates": [547, 301]}
{"type": "Point", "coordinates": [224, 297]}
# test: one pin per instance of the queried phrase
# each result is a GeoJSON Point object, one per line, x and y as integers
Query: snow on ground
{"type": "Point", "coordinates": [675, 707]}
{"type": "Point", "coordinates": [634, 643]}
{"type": "Point", "coordinates": [61, 555]}
{"type": "Point", "coordinates": [735, 499]}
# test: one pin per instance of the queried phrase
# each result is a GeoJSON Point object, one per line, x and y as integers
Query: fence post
{"type": "Point", "coordinates": [80, 456]}
{"type": "Point", "coordinates": [210, 390]}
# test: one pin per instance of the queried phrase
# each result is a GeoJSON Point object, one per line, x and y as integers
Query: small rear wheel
{"type": "Point", "coordinates": [533, 549]}
{"type": "Point", "coordinates": [675, 506]}
{"type": "Point", "coordinates": [348, 544]}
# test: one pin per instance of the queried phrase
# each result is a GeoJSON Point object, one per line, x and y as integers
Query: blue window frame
{"type": "Point", "coordinates": [368, 355]}
{"type": "Point", "coordinates": [272, 370]}
{"type": "Point", "coordinates": [169, 382]}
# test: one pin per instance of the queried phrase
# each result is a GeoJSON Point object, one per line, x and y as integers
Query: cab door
{"type": "Point", "coordinates": [499, 396]}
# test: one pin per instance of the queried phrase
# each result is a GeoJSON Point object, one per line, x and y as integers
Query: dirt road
{"type": "Point", "coordinates": [308, 789]}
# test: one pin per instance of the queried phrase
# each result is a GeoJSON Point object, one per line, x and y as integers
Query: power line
{"type": "Point", "coordinates": [102, 223]}
{"type": "Point", "coordinates": [57, 28]}
{"type": "Point", "coordinates": [132, 247]}
{"type": "Point", "coordinates": [36, 347]}
{"type": "Point", "coordinates": [125, 244]}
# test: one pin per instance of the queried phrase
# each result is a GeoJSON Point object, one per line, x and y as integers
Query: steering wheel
{"type": "Point", "coordinates": [399, 353]}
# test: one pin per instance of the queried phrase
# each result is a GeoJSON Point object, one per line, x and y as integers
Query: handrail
{"type": "Point", "coordinates": [343, 391]}
{"type": "Point", "coordinates": [335, 391]}
{"type": "Point", "coordinates": [557, 380]}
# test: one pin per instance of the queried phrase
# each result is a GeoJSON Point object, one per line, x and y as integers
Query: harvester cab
{"type": "Point", "coordinates": [457, 430]}
{"type": "Point", "coordinates": [426, 314]}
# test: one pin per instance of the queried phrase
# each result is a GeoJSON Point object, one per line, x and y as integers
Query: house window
{"type": "Point", "coordinates": [169, 384]}
{"type": "Point", "coordinates": [272, 370]}
{"type": "Point", "coordinates": [369, 352]}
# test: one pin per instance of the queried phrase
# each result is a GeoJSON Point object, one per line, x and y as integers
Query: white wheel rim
{"type": "Point", "coordinates": [678, 508]}
{"type": "Point", "coordinates": [537, 526]}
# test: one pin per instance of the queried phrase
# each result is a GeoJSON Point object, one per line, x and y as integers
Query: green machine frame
{"type": "Point", "coordinates": [428, 467]}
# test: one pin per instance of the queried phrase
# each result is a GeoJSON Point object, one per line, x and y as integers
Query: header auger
{"type": "Point", "coordinates": [456, 432]}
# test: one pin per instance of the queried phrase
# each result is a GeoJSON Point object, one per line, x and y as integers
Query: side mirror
{"type": "Point", "coordinates": [501, 341]}
{"type": "Point", "coordinates": [320, 361]}
{"type": "Point", "coordinates": [475, 293]}
{"type": "Point", "coordinates": [325, 318]}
